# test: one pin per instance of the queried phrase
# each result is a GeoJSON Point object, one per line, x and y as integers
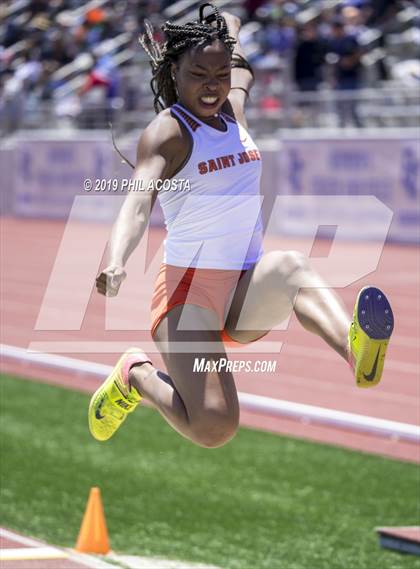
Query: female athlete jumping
{"type": "Point", "coordinates": [215, 285]}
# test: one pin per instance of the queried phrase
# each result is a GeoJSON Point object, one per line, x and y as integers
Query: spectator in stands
{"type": "Point", "coordinates": [29, 69]}
{"type": "Point", "coordinates": [347, 70]}
{"type": "Point", "coordinates": [61, 30]}
{"type": "Point", "coordinates": [383, 10]}
{"type": "Point", "coordinates": [12, 101]}
{"type": "Point", "coordinates": [102, 74]}
{"type": "Point", "coordinates": [38, 6]}
{"type": "Point", "coordinates": [252, 6]}
{"type": "Point", "coordinates": [12, 33]}
{"type": "Point", "coordinates": [309, 58]}
{"type": "Point", "coordinates": [276, 37]}
{"type": "Point", "coordinates": [56, 47]}
{"type": "Point", "coordinates": [99, 90]}
{"type": "Point", "coordinates": [43, 90]}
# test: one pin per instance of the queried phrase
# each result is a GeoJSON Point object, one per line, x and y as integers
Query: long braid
{"type": "Point", "coordinates": [178, 40]}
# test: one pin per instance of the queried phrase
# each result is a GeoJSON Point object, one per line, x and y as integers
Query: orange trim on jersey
{"type": "Point", "coordinates": [191, 122]}
{"type": "Point", "coordinates": [228, 118]}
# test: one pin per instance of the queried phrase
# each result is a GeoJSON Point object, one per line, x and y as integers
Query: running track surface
{"type": "Point", "coordinates": [307, 370]}
{"type": "Point", "coordinates": [20, 552]}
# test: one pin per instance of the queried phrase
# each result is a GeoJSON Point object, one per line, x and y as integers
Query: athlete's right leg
{"type": "Point", "coordinates": [200, 405]}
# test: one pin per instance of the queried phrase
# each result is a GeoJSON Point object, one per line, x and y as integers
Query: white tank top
{"type": "Point", "coordinates": [216, 223]}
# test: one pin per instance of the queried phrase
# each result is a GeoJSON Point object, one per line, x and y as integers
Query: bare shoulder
{"type": "Point", "coordinates": [164, 136]}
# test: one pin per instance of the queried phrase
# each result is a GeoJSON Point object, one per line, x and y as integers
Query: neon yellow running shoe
{"type": "Point", "coordinates": [115, 398]}
{"type": "Point", "coordinates": [369, 335]}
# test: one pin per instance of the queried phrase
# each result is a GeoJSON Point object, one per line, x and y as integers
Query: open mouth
{"type": "Point", "coordinates": [209, 101]}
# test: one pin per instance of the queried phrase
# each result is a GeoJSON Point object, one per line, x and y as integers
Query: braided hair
{"type": "Point", "coordinates": [178, 40]}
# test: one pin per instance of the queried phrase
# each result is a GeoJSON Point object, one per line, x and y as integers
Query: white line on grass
{"type": "Point", "coordinates": [134, 562]}
{"type": "Point", "coordinates": [34, 545]}
{"type": "Point", "coordinates": [28, 553]}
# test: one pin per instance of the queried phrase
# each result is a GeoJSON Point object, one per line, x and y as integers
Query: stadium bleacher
{"type": "Point", "coordinates": [78, 65]}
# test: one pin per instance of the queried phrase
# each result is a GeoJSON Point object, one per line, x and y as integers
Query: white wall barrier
{"type": "Point", "coordinates": [248, 401]}
{"type": "Point", "coordinates": [387, 168]}
{"type": "Point", "coordinates": [44, 173]}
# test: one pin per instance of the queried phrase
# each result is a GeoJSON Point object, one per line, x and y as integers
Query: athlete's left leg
{"type": "Point", "coordinates": [280, 282]}
{"type": "Point", "coordinates": [284, 281]}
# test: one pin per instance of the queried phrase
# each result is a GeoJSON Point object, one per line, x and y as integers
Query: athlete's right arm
{"type": "Point", "coordinates": [157, 153]}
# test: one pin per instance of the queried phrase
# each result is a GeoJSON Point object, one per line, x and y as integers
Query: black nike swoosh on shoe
{"type": "Point", "coordinates": [371, 375]}
{"type": "Point", "coordinates": [98, 410]}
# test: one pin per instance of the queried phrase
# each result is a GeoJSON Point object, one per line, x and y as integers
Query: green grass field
{"type": "Point", "coordinates": [261, 502]}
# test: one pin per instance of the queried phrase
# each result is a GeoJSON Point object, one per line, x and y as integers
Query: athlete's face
{"type": "Point", "coordinates": [202, 78]}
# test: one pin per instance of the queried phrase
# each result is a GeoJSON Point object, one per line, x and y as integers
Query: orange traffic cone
{"type": "Point", "coordinates": [93, 534]}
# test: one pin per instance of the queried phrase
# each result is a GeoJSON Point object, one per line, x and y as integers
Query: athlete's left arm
{"type": "Point", "coordinates": [241, 79]}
